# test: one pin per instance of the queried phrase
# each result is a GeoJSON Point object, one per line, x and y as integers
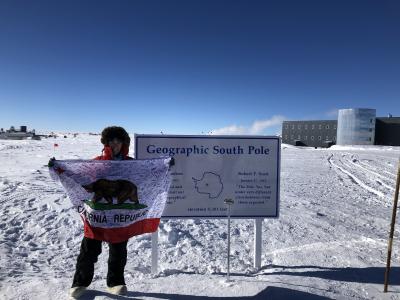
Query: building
{"type": "Point", "coordinates": [387, 131]}
{"type": "Point", "coordinates": [14, 134]}
{"type": "Point", "coordinates": [356, 126]}
{"type": "Point", "coordinates": [320, 133]}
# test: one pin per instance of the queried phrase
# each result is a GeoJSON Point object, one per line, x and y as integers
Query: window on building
{"type": "Point", "coordinates": [291, 137]}
{"type": "Point", "coordinates": [299, 137]}
{"type": "Point", "coordinates": [370, 130]}
{"type": "Point", "coordinates": [312, 137]}
{"type": "Point", "coordinates": [320, 126]}
{"type": "Point", "coordinates": [305, 138]}
{"type": "Point", "coordinates": [292, 126]}
{"type": "Point", "coordinates": [327, 127]}
{"type": "Point", "coordinates": [334, 126]}
{"type": "Point", "coordinates": [305, 126]}
{"type": "Point", "coordinates": [327, 138]}
{"type": "Point", "coordinates": [319, 138]}
{"type": "Point", "coordinates": [371, 120]}
{"type": "Point", "coordinates": [312, 126]}
{"type": "Point", "coordinates": [286, 137]}
{"type": "Point", "coordinates": [298, 126]}
{"type": "Point", "coordinates": [334, 138]}
{"type": "Point", "coordinates": [287, 126]}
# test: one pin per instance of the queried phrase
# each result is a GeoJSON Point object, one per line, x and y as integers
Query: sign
{"type": "Point", "coordinates": [210, 169]}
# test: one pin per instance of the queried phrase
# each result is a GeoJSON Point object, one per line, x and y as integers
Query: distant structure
{"type": "Point", "coordinates": [13, 134]}
{"type": "Point", "coordinates": [320, 133]}
{"type": "Point", "coordinates": [387, 131]}
{"type": "Point", "coordinates": [356, 126]}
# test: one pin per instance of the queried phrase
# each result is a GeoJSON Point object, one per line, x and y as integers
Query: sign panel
{"type": "Point", "coordinates": [210, 169]}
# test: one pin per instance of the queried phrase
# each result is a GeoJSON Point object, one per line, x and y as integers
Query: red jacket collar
{"type": "Point", "coordinates": [107, 153]}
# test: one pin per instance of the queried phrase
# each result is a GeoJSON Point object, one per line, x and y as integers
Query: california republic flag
{"type": "Point", "coordinates": [116, 199]}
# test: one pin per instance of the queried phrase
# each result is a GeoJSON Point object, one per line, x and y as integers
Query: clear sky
{"type": "Point", "coordinates": [191, 67]}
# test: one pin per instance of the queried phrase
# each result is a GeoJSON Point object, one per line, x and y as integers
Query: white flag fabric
{"type": "Point", "coordinates": [116, 199]}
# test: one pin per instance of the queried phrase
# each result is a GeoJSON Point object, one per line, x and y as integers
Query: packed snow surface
{"type": "Point", "coordinates": [329, 242]}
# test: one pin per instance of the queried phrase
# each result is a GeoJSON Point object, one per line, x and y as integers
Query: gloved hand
{"type": "Point", "coordinates": [51, 162]}
{"type": "Point", "coordinates": [172, 162]}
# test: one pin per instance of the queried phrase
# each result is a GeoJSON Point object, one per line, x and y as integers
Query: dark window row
{"type": "Point", "coordinates": [305, 138]}
{"type": "Point", "coordinates": [312, 126]}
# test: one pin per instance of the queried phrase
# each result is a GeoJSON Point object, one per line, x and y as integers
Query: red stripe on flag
{"type": "Point", "coordinates": [121, 234]}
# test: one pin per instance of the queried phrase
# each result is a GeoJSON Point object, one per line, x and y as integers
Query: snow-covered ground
{"type": "Point", "coordinates": [330, 241]}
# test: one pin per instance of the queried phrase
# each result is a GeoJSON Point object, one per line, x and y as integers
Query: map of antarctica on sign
{"type": "Point", "coordinates": [210, 169]}
{"type": "Point", "coordinates": [209, 184]}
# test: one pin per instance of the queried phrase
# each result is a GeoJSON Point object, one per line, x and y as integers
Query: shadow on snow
{"type": "Point", "coordinates": [374, 275]}
{"type": "Point", "coordinates": [270, 293]}
{"type": "Point", "coordinates": [371, 275]}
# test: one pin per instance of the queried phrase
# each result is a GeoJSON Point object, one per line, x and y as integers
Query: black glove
{"type": "Point", "coordinates": [172, 162]}
{"type": "Point", "coordinates": [51, 162]}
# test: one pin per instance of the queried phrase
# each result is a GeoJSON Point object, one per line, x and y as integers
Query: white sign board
{"type": "Point", "coordinates": [210, 169]}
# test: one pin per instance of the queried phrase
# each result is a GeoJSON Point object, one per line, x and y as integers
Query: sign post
{"type": "Point", "coordinates": [229, 202]}
{"type": "Point", "coordinates": [392, 225]}
{"type": "Point", "coordinates": [257, 243]}
{"type": "Point", "coordinates": [154, 253]}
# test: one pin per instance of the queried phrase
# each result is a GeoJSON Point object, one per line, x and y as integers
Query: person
{"type": "Point", "coordinates": [116, 143]}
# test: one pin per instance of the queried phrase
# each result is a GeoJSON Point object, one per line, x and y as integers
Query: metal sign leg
{"type": "Point", "coordinates": [229, 202]}
{"type": "Point", "coordinates": [154, 253]}
{"type": "Point", "coordinates": [257, 243]}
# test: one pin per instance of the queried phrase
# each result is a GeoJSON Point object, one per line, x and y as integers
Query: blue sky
{"type": "Point", "coordinates": [191, 67]}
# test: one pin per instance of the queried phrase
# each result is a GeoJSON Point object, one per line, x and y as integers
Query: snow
{"type": "Point", "coordinates": [330, 241]}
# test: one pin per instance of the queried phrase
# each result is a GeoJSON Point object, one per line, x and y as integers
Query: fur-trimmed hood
{"type": "Point", "coordinates": [110, 133]}
{"type": "Point", "coordinates": [113, 132]}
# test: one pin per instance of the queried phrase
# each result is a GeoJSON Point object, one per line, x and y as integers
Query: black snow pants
{"type": "Point", "coordinates": [90, 250]}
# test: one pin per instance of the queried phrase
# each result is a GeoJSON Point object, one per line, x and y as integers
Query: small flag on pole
{"type": "Point", "coordinates": [54, 149]}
